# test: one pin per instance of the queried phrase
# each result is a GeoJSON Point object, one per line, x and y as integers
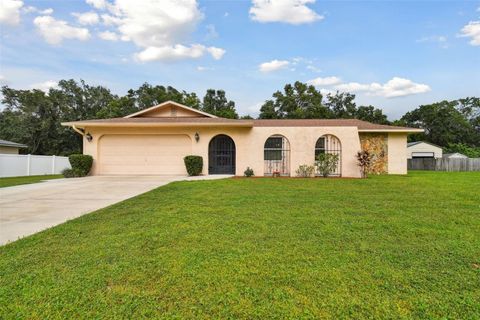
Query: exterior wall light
{"type": "Point", "coordinates": [197, 136]}
{"type": "Point", "coordinates": [89, 137]}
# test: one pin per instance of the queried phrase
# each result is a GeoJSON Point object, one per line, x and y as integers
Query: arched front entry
{"type": "Point", "coordinates": [221, 155]}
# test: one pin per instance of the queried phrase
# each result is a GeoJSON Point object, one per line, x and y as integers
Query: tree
{"type": "Point", "coordinates": [216, 103]}
{"type": "Point", "coordinates": [342, 105]}
{"type": "Point", "coordinates": [442, 122]}
{"type": "Point", "coordinates": [371, 114]}
{"type": "Point", "coordinates": [147, 96]}
{"type": "Point", "coordinates": [302, 101]}
{"type": "Point", "coordinates": [298, 101]}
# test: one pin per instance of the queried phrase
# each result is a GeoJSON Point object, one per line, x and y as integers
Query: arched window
{"type": "Point", "coordinates": [276, 155]}
{"type": "Point", "coordinates": [331, 145]}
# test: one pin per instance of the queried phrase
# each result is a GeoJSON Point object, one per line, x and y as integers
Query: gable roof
{"type": "Point", "coordinates": [5, 143]}
{"type": "Point", "coordinates": [458, 154]}
{"type": "Point", "coordinates": [165, 105]}
{"type": "Point", "coordinates": [411, 144]}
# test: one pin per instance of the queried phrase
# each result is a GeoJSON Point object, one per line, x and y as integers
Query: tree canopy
{"type": "Point", "coordinates": [303, 101]}
{"type": "Point", "coordinates": [33, 117]}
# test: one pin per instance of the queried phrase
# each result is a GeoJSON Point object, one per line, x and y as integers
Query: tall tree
{"type": "Point", "coordinates": [297, 101]}
{"type": "Point", "coordinates": [442, 122]}
{"type": "Point", "coordinates": [371, 114]}
{"type": "Point", "coordinates": [147, 96]}
{"type": "Point", "coordinates": [215, 102]}
{"type": "Point", "coordinates": [342, 105]}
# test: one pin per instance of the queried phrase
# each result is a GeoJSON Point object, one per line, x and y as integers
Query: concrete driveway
{"type": "Point", "coordinates": [27, 209]}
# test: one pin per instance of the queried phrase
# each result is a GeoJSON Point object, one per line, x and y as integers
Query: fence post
{"type": "Point", "coordinates": [53, 164]}
{"type": "Point", "coordinates": [29, 159]}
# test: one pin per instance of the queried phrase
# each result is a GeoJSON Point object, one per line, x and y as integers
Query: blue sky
{"type": "Point", "coordinates": [395, 55]}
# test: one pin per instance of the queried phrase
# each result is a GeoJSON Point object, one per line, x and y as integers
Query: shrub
{"type": "Point", "coordinates": [364, 160]}
{"type": "Point", "coordinates": [248, 172]}
{"type": "Point", "coordinates": [305, 171]}
{"type": "Point", "coordinates": [72, 173]}
{"type": "Point", "coordinates": [81, 164]}
{"type": "Point", "coordinates": [326, 163]}
{"type": "Point", "coordinates": [194, 165]}
{"type": "Point", "coordinates": [68, 173]}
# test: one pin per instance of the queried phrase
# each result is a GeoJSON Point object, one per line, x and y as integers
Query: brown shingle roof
{"type": "Point", "coordinates": [361, 125]}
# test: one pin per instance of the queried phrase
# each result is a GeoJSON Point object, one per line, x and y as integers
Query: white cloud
{"type": "Point", "coordinates": [87, 18]}
{"type": "Point", "coordinates": [159, 27]}
{"type": "Point", "coordinates": [202, 68]}
{"type": "Point", "coordinates": [273, 65]}
{"type": "Point", "coordinates": [55, 31]}
{"type": "Point", "coordinates": [441, 40]}
{"type": "Point", "coordinates": [108, 36]}
{"type": "Point", "coordinates": [32, 9]}
{"type": "Point", "coordinates": [10, 11]}
{"type": "Point", "coordinates": [313, 68]}
{"type": "Point", "coordinates": [155, 23]}
{"type": "Point", "coordinates": [288, 11]}
{"type": "Point", "coordinates": [177, 52]}
{"type": "Point", "coordinates": [217, 53]}
{"type": "Point", "coordinates": [395, 87]}
{"type": "Point", "coordinates": [98, 4]}
{"type": "Point", "coordinates": [45, 86]}
{"type": "Point", "coordinates": [472, 30]}
{"type": "Point", "coordinates": [327, 81]}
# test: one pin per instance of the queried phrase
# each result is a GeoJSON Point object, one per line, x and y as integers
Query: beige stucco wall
{"type": "Point", "coordinates": [397, 153]}
{"type": "Point", "coordinates": [8, 150]}
{"type": "Point", "coordinates": [249, 144]}
{"type": "Point", "coordinates": [425, 147]}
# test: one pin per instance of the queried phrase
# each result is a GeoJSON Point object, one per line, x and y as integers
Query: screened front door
{"type": "Point", "coordinates": [221, 155]}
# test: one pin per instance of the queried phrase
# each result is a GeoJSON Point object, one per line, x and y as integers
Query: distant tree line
{"type": "Point", "coordinates": [33, 117]}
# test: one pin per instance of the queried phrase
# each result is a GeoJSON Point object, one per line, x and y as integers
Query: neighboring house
{"type": "Point", "coordinates": [155, 140]}
{"type": "Point", "coordinates": [422, 149]}
{"type": "Point", "coordinates": [9, 147]}
{"type": "Point", "coordinates": [455, 155]}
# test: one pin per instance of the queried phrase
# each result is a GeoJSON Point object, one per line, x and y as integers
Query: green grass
{"type": "Point", "coordinates": [386, 247]}
{"type": "Point", "coordinates": [15, 181]}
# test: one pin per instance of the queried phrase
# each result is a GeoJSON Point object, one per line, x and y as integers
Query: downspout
{"type": "Point", "coordinates": [82, 133]}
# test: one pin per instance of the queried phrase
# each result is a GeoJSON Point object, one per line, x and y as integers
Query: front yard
{"type": "Point", "coordinates": [385, 247]}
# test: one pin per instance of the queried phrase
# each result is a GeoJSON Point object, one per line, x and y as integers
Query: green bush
{"type": "Point", "coordinates": [326, 163]}
{"type": "Point", "coordinates": [81, 164]}
{"type": "Point", "coordinates": [68, 173]}
{"type": "Point", "coordinates": [72, 173]}
{"type": "Point", "coordinates": [305, 171]}
{"type": "Point", "coordinates": [248, 172]}
{"type": "Point", "coordinates": [194, 165]}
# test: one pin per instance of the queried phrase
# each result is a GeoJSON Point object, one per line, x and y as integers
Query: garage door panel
{"type": "Point", "coordinates": [143, 154]}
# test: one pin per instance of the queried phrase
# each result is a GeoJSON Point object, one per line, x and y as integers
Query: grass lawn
{"type": "Point", "coordinates": [14, 181]}
{"type": "Point", "coordinates": [385, 247]}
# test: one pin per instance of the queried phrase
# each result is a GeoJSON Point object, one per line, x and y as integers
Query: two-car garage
{"type": "Point", "coordinates": [147, 154]}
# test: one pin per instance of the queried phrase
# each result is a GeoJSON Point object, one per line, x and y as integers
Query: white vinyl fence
{"type": "Point", "coordinates": [15, 165]}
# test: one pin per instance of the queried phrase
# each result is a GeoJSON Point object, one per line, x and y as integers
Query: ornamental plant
{"type": "Point", "coordinates": [364, 161]}
{"type": "Point", "coordinates": [81, 165]}
{"type": "Point", "coordinates": [193, 164]}
{"type": "Point", "coordinates": [326, 163]}
{"type": "Point", "coordinates": [305, 171]}
{"type": "Point", "coordinates": [248, 172]}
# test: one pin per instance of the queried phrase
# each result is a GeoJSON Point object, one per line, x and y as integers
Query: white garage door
{"type": "Point", "coordinates": [143, 154]}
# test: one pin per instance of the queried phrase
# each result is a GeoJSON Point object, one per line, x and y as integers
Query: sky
{"type": "Point", "coordinates": [395, 55]}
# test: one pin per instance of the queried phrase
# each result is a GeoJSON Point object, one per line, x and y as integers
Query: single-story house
{"type": "Point", "coordinates": [422, 149]}
{"type": "Point", "coordinates": [9, 147]}
{"type": "Point", "coordinates": [155, 140]}
{"type": "Point", "coordinates": [455, 155]}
